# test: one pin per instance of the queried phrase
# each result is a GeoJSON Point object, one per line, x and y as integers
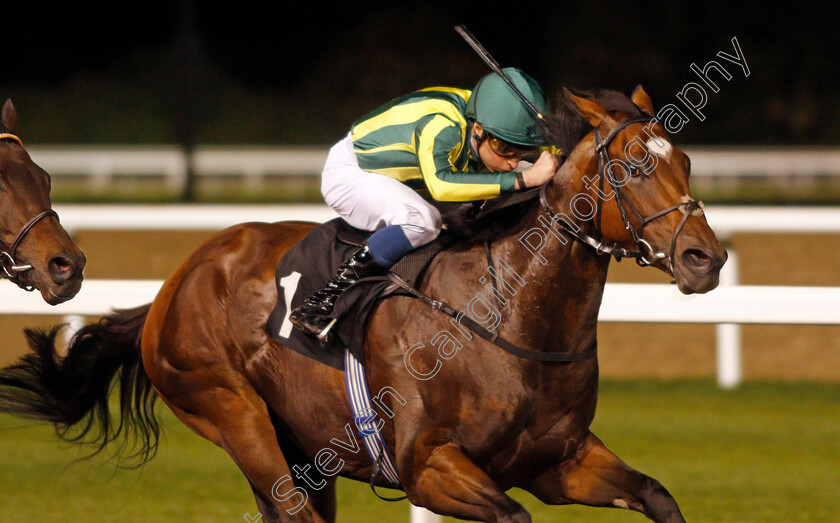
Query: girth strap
{"type": "Point", "coordinates": [358, 394]}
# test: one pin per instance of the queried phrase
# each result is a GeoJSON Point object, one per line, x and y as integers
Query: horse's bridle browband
{"type": "Point", "coordinates": [10, 136]}
{"type": "Point", "coordinates": [645, 251]}
{"type": "Point", "coordinates": [11, 268]}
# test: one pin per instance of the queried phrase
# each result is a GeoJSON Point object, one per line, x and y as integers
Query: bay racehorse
{"type": "Point", "coordinates": [35, 250]}
{"type": "Point", "coordinates": [464, 425]}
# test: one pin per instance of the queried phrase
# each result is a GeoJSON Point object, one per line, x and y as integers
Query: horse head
{"type": "Point", "coordinates": [35, 250]}
{"type": "Point", "coordinates": [633, 186]}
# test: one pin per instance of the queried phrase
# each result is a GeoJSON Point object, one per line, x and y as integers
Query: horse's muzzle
{"type": "Point", "coordinates": [697, 268]}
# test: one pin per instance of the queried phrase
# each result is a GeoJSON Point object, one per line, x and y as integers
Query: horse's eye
{"type": "Point", "coordinates": [634, 170]}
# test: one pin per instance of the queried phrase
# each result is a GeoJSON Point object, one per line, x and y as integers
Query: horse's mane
{"type": "Point", "coordinates": [567, 129]}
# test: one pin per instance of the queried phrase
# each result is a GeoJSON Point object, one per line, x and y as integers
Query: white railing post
{"type": "Point", "coordinates": [421, 515]}
{"type": "Point", "coordinates": [729, 334]}
{"type": "Point", "coordinates": [101, 171]}
{"type": "Point", "coordinates": [74, 323]}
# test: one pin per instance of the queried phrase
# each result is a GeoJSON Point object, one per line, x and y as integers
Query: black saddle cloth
{"type": "Point", "coordinates": [307, 266]}
{"type": "Point", "coordinates": [305, 269]}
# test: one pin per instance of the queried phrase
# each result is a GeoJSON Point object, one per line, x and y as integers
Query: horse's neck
{"type": "Point", "coordinates": [564, 281]}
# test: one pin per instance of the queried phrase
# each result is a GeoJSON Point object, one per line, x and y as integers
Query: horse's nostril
{"type": "Point", "coordinates": [697, 258]}
{"type": "Point", "coordinates": [61, 269]}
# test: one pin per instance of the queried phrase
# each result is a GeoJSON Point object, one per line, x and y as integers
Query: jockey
{"type": "Point", "coordinates": [451, 145]}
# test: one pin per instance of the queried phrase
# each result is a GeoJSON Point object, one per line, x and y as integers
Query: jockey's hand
{"type": "Point", "coordinates": [542, 171]}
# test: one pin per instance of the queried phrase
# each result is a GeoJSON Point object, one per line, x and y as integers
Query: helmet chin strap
{"type": "Point", "coordinates": [478, 139]}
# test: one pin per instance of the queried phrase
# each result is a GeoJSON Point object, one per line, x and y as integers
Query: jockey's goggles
{"type": "Point", "coordinates": [507, 149]}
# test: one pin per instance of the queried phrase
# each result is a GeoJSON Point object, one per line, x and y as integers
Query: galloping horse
{"type": "Point", "coordinates": [481, 421]}
{"type": "Point", "coordinates": [35, 250]}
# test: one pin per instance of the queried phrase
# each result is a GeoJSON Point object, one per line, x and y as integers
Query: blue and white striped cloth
{"type": "Point", "coordinates": [365, 417]}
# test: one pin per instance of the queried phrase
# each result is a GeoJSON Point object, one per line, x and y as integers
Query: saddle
{"type": "Point", "coordinates": [307, 266]}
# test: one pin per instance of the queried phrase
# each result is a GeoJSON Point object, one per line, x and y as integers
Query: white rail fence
{"type": "Point", "coordinates": [623, 302]}
{"type": "Point", "coordinates": [101, 164]}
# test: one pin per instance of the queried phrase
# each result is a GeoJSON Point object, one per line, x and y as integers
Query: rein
{"type": "Point", "coordinates": [463, 319]}
{"type": "Point", "coordinates": [12, 269]}
{"type": "Point", "coordinates": [645, 254]}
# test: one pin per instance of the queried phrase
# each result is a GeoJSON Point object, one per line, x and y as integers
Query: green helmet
{"type": "Point", "coordinates": [495, 106]}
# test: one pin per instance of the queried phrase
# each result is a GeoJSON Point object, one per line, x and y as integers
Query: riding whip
{"type": "Point", "coordinates": [494, 65]}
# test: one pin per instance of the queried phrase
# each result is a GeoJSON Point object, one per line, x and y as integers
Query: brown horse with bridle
{"type": "Point", "coordinates": [35, 250]}
{"type": "Point", "coordinates": [481, 420]}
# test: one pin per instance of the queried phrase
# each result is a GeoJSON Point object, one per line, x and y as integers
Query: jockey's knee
{"type": "Point", "coordinates": [422, 224]}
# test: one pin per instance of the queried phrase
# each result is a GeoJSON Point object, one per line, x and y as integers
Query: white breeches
{"type": "Point", "coordinates": [371, 201]}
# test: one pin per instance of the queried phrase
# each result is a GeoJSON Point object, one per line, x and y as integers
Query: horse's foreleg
{"type": "Point", "coordinates": [448, 483]}
{"type": "Point", "coordinates": [597, 477]}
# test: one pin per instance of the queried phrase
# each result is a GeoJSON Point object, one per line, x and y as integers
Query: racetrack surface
{"type": "Point", "coordinates": [763, 453]}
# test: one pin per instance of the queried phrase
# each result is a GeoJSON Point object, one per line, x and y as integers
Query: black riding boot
{"type": "Point", "coordinates": [312, 316]}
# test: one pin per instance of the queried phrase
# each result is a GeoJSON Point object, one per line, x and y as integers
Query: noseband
{"type": "Point", "coordinates": [12, 269]}
{"type": "Point", "coordinates": [645, 255]}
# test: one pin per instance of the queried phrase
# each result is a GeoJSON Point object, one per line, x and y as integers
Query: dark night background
{"type": "Point", "coordinates": [247, 72]}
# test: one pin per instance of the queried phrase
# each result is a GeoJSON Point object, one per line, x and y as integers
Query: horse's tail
{"type": "Point", "coordinates": [72, 392]}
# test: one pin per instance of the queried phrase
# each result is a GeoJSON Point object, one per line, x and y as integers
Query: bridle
{"type": "Point", "coordinates": [12, 269]}
{"type": "Point", "coordinates": [645, 254]}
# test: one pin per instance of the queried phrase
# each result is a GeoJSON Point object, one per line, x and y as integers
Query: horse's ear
{"type": "Point", "coordinates": [9, 119]}
{"type": "Point", "coordinates": [641, 99]}
{"type": "Point", "coordinates": [590, 110]}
